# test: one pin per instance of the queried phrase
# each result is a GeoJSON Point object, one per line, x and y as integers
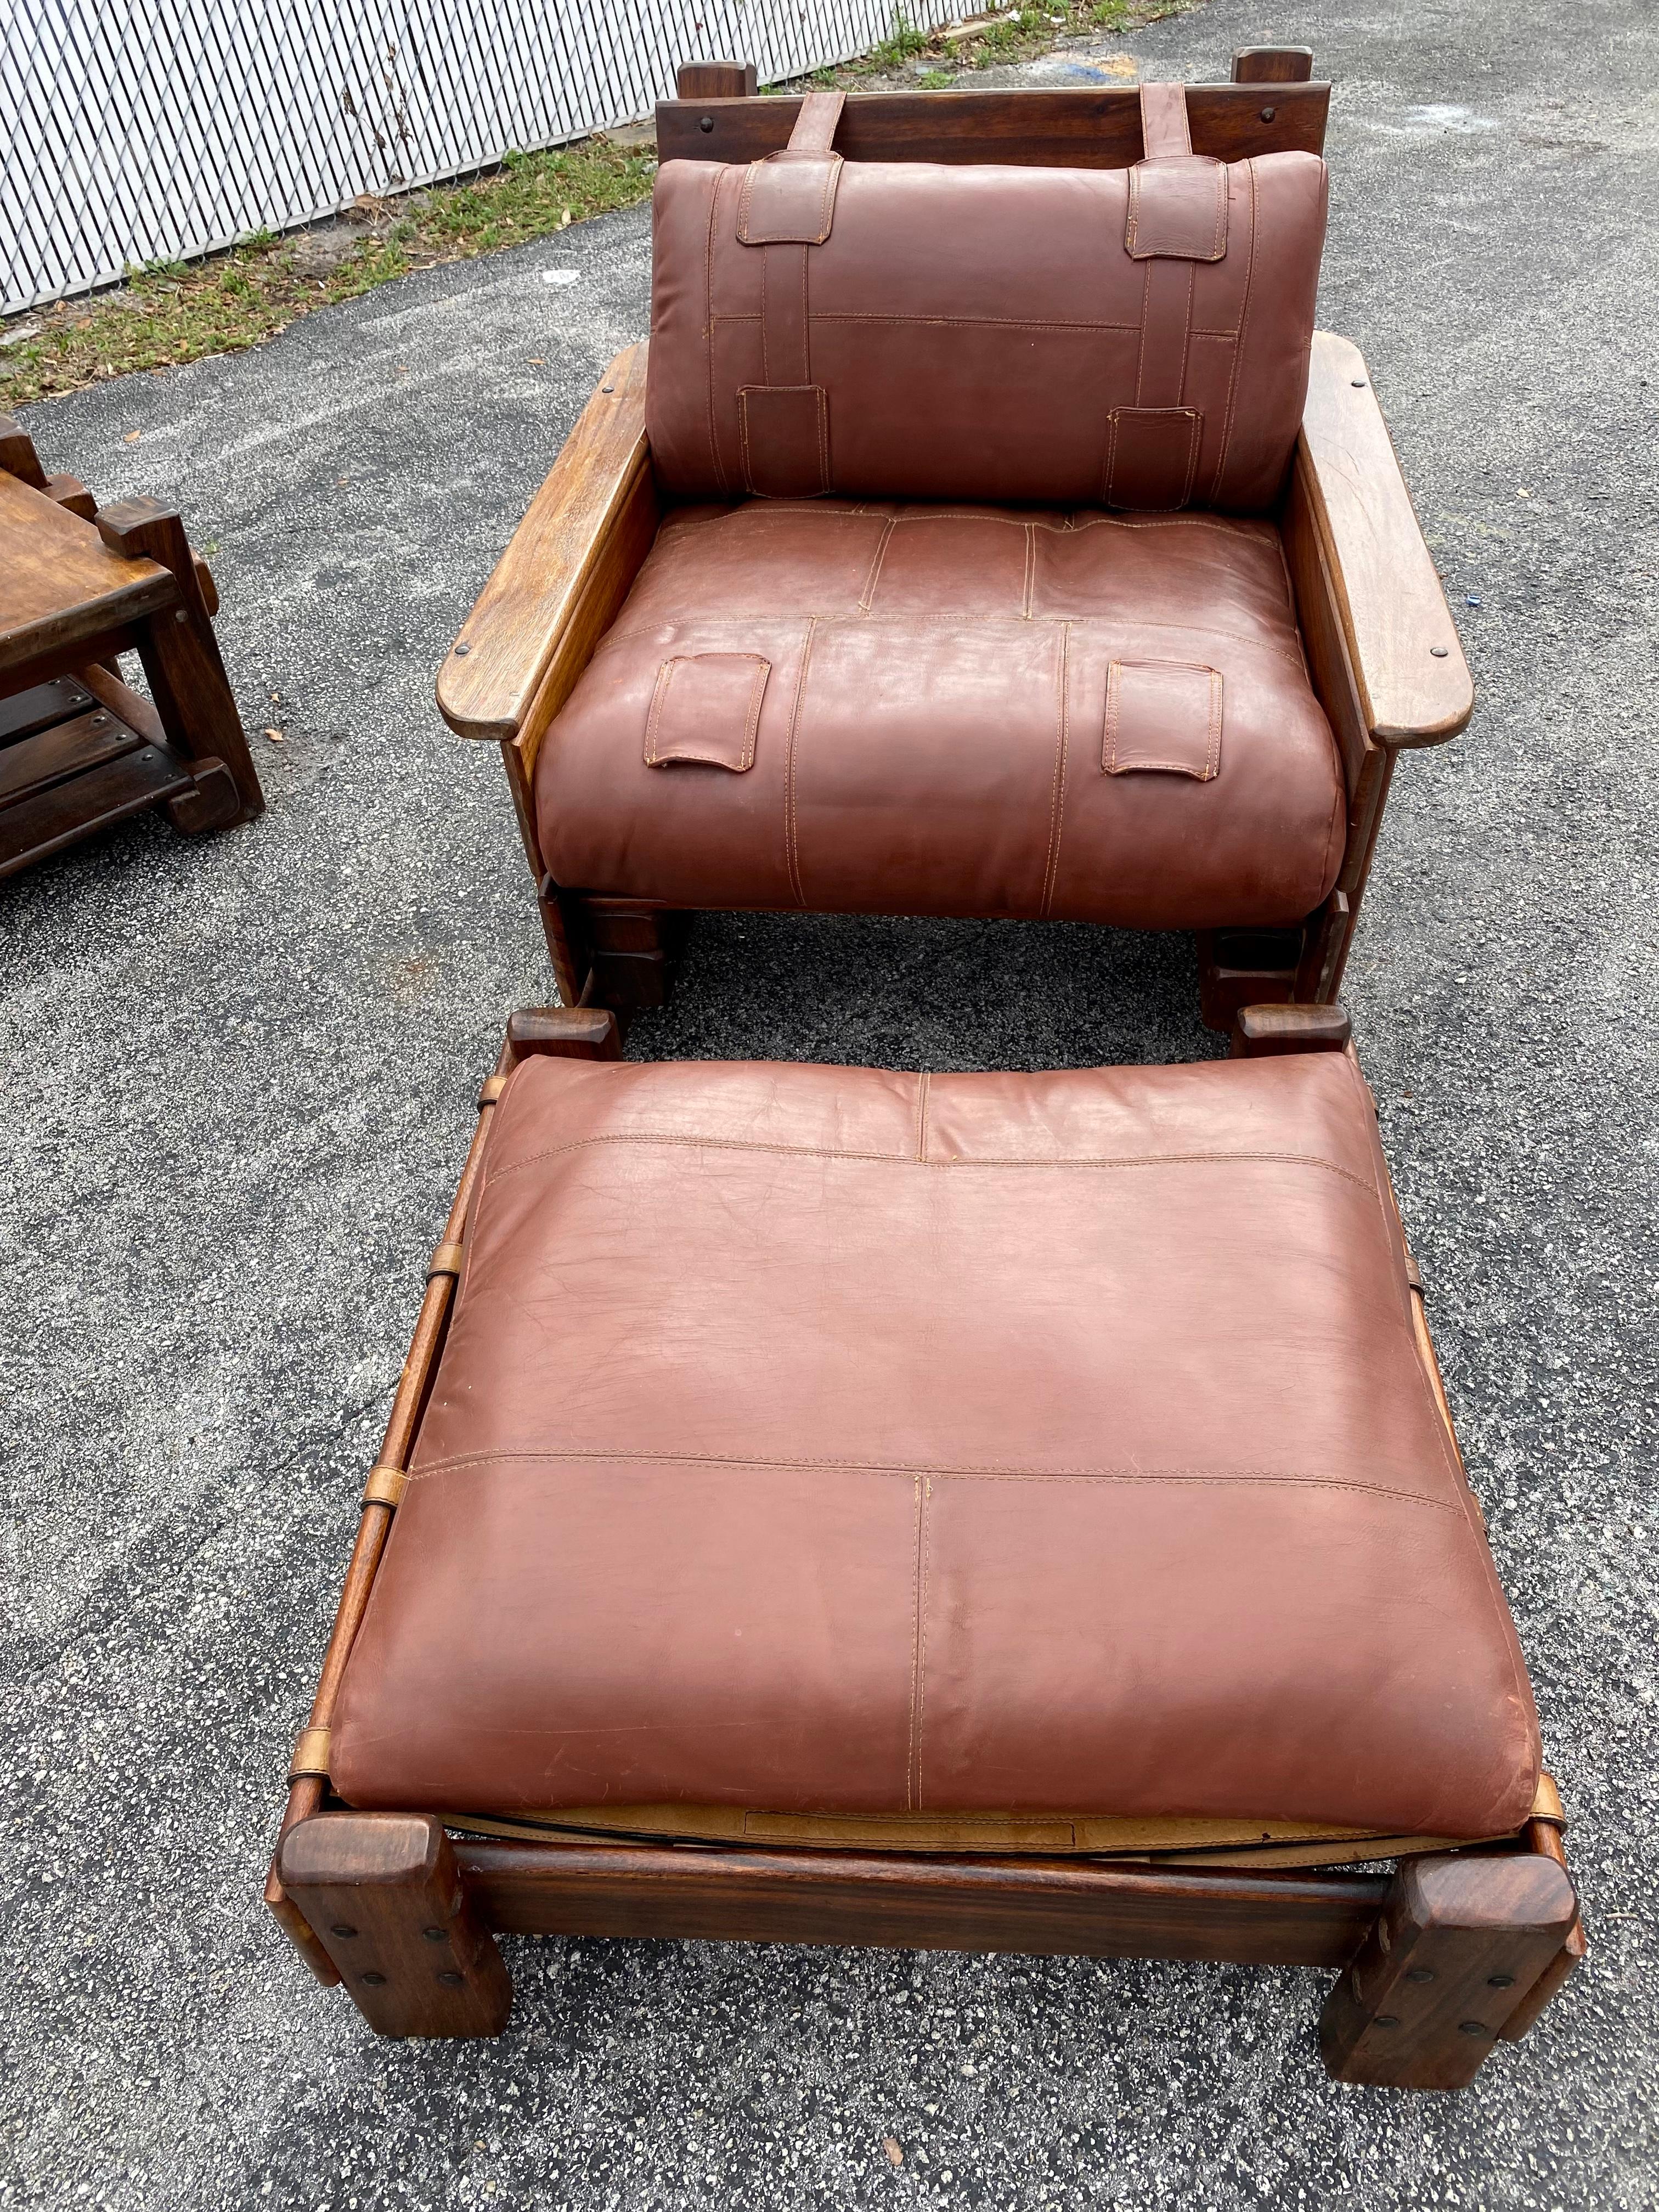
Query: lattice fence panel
{"type": "Point", "coordinates": [141, 130]}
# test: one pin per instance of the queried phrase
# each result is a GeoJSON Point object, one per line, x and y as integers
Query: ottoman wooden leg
{"type": "Point", "coordinates": [1460, 1946]}
{"type": "Point", "coordinates": [383, 1895]}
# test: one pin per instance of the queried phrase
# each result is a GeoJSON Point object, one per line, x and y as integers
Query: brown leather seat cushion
{"type": "Point", "coordinates": [818, 1439]}
{"type": "Point", "coordinates": [950, 711]}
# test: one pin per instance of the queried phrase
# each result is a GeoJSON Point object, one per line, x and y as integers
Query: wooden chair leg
{"type": "Point", "coordinates": [567, 948]}
{"type": "Point", "coordinates": [1325, 952]}
{"type": "Point", "coordinates": [1245, 968]}
{"type": "Point", "coordinates": [383, 1895]}
{"type": "Point", "coordinates": [1462, 1943]}
{"type": "Point", "coordinates": [178, 649]}
{"type": "Point", "coordinates": [631, 944]}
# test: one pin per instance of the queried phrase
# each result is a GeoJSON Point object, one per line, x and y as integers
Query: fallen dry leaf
{"type": "Point", "coordinates": [276, 737]}
{"type": "Point", "coordinates": [891, 2145]}
{"type": "Point", "coordinates": [131, 438]}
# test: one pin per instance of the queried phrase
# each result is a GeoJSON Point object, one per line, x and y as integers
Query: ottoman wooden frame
{"type": "Point", "coordinates": [1453, 1952]}
{"type": "Point", "coordinates": [1382, 648]}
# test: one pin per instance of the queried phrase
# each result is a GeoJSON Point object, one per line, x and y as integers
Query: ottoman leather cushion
{"type": "Point", "coordinates": [954, 711]}
{"type": "Point", "coordinates": [824, 1439]}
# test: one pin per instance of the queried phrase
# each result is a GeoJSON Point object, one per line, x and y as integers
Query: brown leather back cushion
{"type": "Point", "coordinates": [1133, 339]}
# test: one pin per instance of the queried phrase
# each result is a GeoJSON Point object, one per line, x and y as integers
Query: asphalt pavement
{"type": "Point", "coordinates": [239, 1084]}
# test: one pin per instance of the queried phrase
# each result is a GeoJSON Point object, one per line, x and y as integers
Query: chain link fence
{"type": "Point", "coordinates": [140, 131]}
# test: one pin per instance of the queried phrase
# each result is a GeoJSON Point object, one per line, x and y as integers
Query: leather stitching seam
{"type": "Point", "coordinates": [1057, 802]}
{"type": "Point", "coordinates": [720, 477]}
{"type": "Point", "coordinates": [904, 1159]}
{"type": "Point", "coordinates": [922, 1646]}
{"type": "Point", "coordinates": [852, 616]}
{"type": "Point", "coordinates": [867, 598]}
{"type": "Point", "coordinates": [791, 850]}
{"type": "Point", "coordinates": [908, 1472]}
{"type": "Point", "coordinates": [1238, 344]}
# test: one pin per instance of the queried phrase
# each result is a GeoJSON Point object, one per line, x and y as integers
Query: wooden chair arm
{"type": "Point", "coordinates": [1408, 668]}
{"type": "Point", "coordinates": [555, 588]}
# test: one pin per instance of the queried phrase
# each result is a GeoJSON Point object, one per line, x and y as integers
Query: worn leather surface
{"type": "Point", "coordinates": [933, 734]}
{"type": "Point", "coordinates": [816, 1439]}
{"type": "Point", "coordinates": [971, 331]}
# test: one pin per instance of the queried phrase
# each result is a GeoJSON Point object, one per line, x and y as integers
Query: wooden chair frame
{"type": "Point", "coordinates": [79, 750]}
{"type": "Point", "coordinates": [1455, 1951]}
{"type": "Point", "coordinates": [1382, 646]}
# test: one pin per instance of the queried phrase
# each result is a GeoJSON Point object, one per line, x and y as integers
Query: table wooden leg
{"type": "Point", "coordinates": [383, 1895]}
{"type": "Point", "coordinates": [1457, 1949]}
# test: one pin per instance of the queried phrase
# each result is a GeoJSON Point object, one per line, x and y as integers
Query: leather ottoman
{"type": "Point", "coordinates": [823, 1462]}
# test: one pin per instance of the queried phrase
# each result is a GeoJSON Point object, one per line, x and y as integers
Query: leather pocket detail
{"type": "Point", "coordinates": [1177, 209]}
{"type": "Point", "coordinates": [1162, 715]}
{"type": "Point", "coordinates": [785, 429]}
{"type": "Point", "coordinates": [705, 709]}
{"type": "Point", "coordinates": [1151, 455]}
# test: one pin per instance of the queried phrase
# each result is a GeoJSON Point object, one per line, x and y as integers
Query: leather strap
{"type": "Point", "coordinates": [786, 209]}
{"type": "Point", "coordinates": [310, 1753]}
{"type": "Point", "coordinates": [788, 199]}
{"type": "Point", "coordinates": [1164, 131]}
{"type": "Point", "coordinates": [1166, 321]}
{"type": "Point", "coordinates": [385, 1486]}
{"type": "Point", "coordinates": [1177, 217]}
{"type": "Point", "coordinates": [818, 120]}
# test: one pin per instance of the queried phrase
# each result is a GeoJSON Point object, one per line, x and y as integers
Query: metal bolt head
{"type": "Point", "coordinates": [1268, 113]}
{"type": "Point", "coordinates": [1358, 382]}
{"type": "Point", "coordinates": [181, 616]}
{"type": "Point", "coordinates": [1419, 1974]}
{"type": "Point", "coordinates": [1473, 2027]}
{"type": "Point", "coordinates": [375, 1981]}
{"type": "Point", "coordinates": [1500, 1981]}
{"type": "Point", "coordinates": [1440, 651]}
{"type": "Point", "coordinates": [434, 1935]}
{"type": "Point", "coordinates": [99, 720]}
{"type": "Point", "coordinates": [450, 1979]}
{"type": "Point", "coordinates": [705, 123]}
{"type": "Point", "coordinates": [340, 1928]}
{"type": "Point", "coordinates": [461, 652]}
{"type": "Point", "coordinates": [1386, 2020]}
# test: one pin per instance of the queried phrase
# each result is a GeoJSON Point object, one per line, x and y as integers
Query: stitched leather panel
{"type": "Point", "coordinates": [1177, 208]}
{"type": "Point", "coordinates": [833, 1440]}
{"type": "Point", "coordinates": [1162, 715]}
{"type": "Point", "coordinates": [930, 738]}
{"type": "Point", "coordinates": [1151, 455]}
{"type": "Point", "coordinates": [974, 327]}
{"type": "Point", "coordinates": [705, 709]}
{"type": "Point", "coordinates": [788, 198]}
{"type": "Point", "coordinates": [785, 436]}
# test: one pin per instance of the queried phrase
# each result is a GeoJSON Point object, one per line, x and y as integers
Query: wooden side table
{"type": "Point", "coordinates": [79, 585]}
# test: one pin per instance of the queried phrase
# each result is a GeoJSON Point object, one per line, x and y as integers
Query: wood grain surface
{"type": "Point", "coordinates": [496, 666]}
{"type": "Point", "coordinates": [1054, 1907]}
{"type": "Point", "coordinates": [1039, 129]}
{"type": "Point", "coordinates": [61, 588]}
{"type": "Point", "coordinates": [1407, 664]}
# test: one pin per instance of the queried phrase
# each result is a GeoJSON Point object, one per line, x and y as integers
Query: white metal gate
{"type": "Point", "coordinates": [141, 130]}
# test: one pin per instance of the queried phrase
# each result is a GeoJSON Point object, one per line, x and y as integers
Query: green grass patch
{"type": "Point", "coordinates": [177, 312]}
